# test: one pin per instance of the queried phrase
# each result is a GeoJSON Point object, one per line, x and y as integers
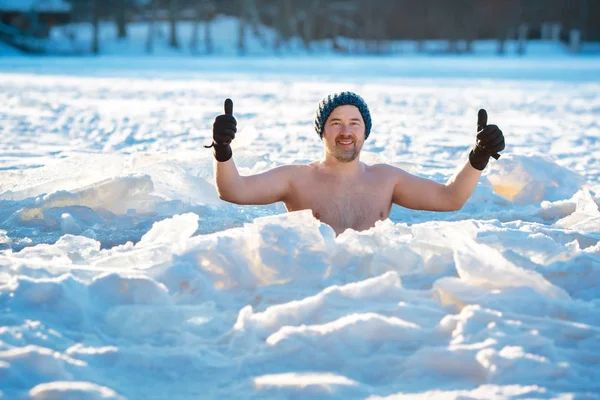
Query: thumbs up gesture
{"type": "Point", "coordinates": [490, 141]}
{"type": "Point", "coordinates": [224, 129]}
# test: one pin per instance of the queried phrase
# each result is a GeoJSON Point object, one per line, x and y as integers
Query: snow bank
{"type": "Point", "coordinates": [308, 334]}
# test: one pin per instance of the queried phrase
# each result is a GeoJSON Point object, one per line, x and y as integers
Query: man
{"type": "Point", "coordinates": [340, 190]}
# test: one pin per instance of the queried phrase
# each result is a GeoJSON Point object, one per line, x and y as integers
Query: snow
{"type": "Point", "coordinates": [122, 275]}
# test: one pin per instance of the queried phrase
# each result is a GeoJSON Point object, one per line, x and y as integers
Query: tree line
{"type": "Point", "coordinates": [373, 22]}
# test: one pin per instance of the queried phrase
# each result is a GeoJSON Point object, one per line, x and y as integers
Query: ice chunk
{"type": "Point", "coordinates": [302, 380]}
{"type": "Point", "coordinates": [112, 289]}
{"type": "Point", "coordinates": [79, 349]}
{"type": "Point", "coordinates": [66, 251]}
{"type": "Point", "coordinates": [556, 209]}
{"type": "Point", "coordinates": [73, 390]}
{"type": "Point", "coordinates": [272, 250]}
{"type": "Point", "coordinates": [63, 297]}
{"type": "Point", "coordinates": [175, 179]}
{"type": "Point", "coordinates": [530, 179]}
{"type": "Point", "coordinates": [514, 360]}
{"type": "Point", "coordinates": [312, 309]}
{"type": "Point", "coordinates": [374, 252]}
{"type": "Point", "coordinates": [292, 246]}
{"type": "Point", "coordinates": [586, 214]}
{"type": "Point", "coordinates": [303, 384]}
{"type": "Point", "coordinates": [117, 195]}
{"type": "Point", "coordinates": [4, 239]}
{"type": "Point", "coordinates": [482, 265]}
{"type": "Point", "coordinates": [68, 224]}
{"type": "Point", "coordinates": [173, 230]}
{"type": "Point", "coordinates": [38, 364]}
{"type": "Point", "coordinates": [483, 392]}
{"type": "Point", "coordinates": [61, 174]}
{"type": "Point", "coordinates": [369, 327]}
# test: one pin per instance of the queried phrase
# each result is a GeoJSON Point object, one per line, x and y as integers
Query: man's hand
{"type": "Point", "coordinates": [490, 141]}
{"type": "Point", "coordinates": [224, 130]}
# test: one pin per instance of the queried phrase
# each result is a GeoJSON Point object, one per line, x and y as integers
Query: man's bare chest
{"type": "Point", "coordinates": [343, 204]}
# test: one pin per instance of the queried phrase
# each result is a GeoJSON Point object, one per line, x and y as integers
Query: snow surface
{"type": "Point", "coordinates": [122, 275]}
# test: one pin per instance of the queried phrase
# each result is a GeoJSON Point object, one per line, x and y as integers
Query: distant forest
{"type": "Point", "coordinates": [372, 20]}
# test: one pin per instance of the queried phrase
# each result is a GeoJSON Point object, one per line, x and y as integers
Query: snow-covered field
{"type": "Point", "coordinates": [122, 275]}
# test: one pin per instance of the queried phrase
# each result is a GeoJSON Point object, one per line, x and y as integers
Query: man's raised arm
{"type": "Point", "coordinates": [422, 194]}
{"type": "Point", "coordinates": [269, 187]}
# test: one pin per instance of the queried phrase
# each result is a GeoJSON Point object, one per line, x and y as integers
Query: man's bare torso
{"type": "Point", "coordinates": [342, 202]}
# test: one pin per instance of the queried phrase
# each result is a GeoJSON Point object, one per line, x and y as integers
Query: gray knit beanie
{"type": "Point", "coordinates": [329, 103]}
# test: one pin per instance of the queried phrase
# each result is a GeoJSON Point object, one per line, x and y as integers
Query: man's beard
{"type": "Point", "coordinates": [345, 155]}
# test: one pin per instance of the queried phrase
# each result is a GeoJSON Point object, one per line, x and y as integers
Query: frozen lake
{"type": "Point", "coordinates": [122, 275]}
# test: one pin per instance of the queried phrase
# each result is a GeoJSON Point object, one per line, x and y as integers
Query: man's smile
{"type": "Point", "coordinates": [345, 142]}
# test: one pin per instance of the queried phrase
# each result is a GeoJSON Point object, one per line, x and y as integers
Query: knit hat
{"type": "Point", "coordinates": [329, 103]}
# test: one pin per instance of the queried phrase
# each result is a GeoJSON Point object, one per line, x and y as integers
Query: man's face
{"type": "Point", "coordinates": [344, 133]}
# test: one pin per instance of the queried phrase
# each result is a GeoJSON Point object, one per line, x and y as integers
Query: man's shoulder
{"type": "Point", "coordinates": [384, 168]}
{"type": "Point", "coordinates": [293, 169]}
{"type": "Point", "coordinates": [388, 172]}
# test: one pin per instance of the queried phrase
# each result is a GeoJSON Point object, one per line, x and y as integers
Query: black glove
{"type": "Point", "coordinates": [490, 142]}
{"type": "Point", "coordinates": [224, 130]}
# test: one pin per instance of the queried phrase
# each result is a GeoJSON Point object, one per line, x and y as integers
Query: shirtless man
{"type": "Point", "coordinates": [340, 190]}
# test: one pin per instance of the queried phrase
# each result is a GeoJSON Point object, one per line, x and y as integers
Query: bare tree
{"type": "Point", "coordinates": [250, 18]}
{"type": "Point", "coordinates": [452, 28]}
{"type": "Point", "coordinates": [468, 22]}
{"type": "Point", "coordinates": [309, 23]}
{"type": "Point", "coordinates": [286, 23]}
{"type": "Point", "coordinates": [522, 30]}
{"type": "Point", "coordinates": [243, 20]}
{"type": "Point", "coordinates": [205, 12]}
{"type": "Point", "coordinates": [208, 42]}
{"type": "Point", "coordinates": [198, 14]}
{"type": "Point", "coordinates": [422, 27]}
{"type": "Point", "coordinates": [173, 16]}
{"type": "Point", "coordinates": [522, 36]}
{"type": "Point", "coordinates": [95, 26]}
{"type": "Point", "coordinates": [371, 28]}
{"type": "Point", "coordinates": [583, 13]}
{"type": "Point", "coordinates": [152, 12]}
{"type": "Point", "coordinates": [442, 22]}
{"type": "Point", "coordinates": [121, 10]}
{"type": "Point", "coordinates": [504, 21]}
{"type": "Point", "coordinates": [461, 24]}
{"type": "Point", "coordinates": [340, 19]}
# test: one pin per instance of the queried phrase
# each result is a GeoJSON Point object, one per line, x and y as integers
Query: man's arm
{"type": "Point", "coordinates": [417, 193]}
{"type": "Point", "coordinates": [265, 188]}
{"type": "Point", "coordinates": [422, 194]}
